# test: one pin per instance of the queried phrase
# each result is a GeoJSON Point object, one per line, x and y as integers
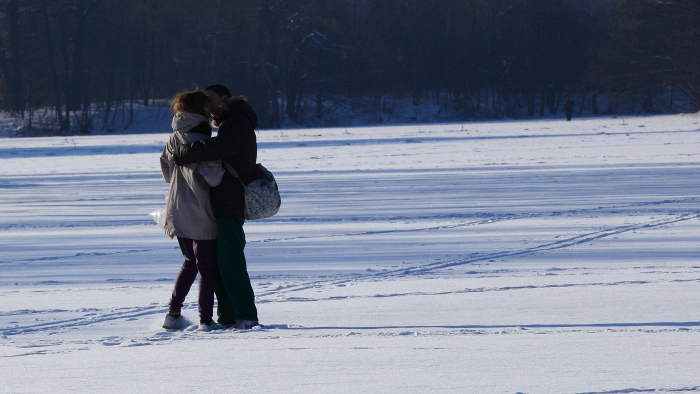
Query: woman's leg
{"type": "Point", "coordinates": [234, 283]}
{"type": "Point", "coordinates": [186, 276]}
{"type": "Point", "coordinates": [205, 252]}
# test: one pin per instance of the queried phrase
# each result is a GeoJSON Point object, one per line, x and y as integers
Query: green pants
{"type": "Point", "coordinates": [233, 289]}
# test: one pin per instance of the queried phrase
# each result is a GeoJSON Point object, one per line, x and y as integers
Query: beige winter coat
{"type": "Point", "coordinates": [188, 211]}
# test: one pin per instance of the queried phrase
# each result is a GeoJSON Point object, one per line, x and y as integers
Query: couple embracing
{"type": "Point", "coordinates": [205, 204]}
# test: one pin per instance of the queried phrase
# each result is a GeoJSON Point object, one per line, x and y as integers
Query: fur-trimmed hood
{"type": "Point", "coordinates": [233, 106]}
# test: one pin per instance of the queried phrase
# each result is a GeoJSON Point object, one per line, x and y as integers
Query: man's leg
{"type": "Point", "coordinates": [234, 273]}
{"type": "Point", "coordinates": [225, 310]}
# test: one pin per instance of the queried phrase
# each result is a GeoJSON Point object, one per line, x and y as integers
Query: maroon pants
{"type": "Point", "coordinates": [200, 257]}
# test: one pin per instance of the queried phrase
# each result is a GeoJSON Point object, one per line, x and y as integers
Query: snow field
{"type": "Point", "coordinates": [499, 257]}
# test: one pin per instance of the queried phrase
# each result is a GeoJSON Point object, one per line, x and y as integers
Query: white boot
{"type": "Point", "coordinates": [172, 322]}
{"type": "Point", "coordinates": [208, 327]}
{"type": "Point", "coordinates": [245, 324]}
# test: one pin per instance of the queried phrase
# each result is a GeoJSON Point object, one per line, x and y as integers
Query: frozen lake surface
{"type": "Point", "coordinates": [498, 257]}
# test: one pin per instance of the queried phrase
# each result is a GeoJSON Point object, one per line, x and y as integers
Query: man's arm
{"type": "Point", "coordinates": [200, 151]}
{"type": "Point", "coordinates": [222, 146]}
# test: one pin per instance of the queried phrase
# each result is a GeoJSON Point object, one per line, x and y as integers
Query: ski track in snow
{"type": "Point", "coordinates": [695, 389]}
{"type": "Point", "coordinates": [429, 268]}
{"type": "Point", "coordinates": [97, 316]}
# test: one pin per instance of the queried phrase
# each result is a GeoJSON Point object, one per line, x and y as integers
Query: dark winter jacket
{"type": "Point", "coordinates": [236, 144]}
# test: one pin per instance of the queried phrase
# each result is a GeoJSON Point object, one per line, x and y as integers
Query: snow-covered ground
{"type": "Point", "coordinates": [500, 257]}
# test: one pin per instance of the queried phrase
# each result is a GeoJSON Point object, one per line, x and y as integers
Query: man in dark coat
{"type": "Point", "coordinates": [235, 144]}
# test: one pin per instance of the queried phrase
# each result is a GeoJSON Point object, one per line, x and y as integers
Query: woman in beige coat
{"type": "Point", "coordinates": [188, 212]}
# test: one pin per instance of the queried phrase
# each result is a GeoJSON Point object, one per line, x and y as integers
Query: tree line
{"type": "Point", "coordinates": [74, 64]}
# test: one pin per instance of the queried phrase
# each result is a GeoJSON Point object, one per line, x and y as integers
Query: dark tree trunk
{"type": "Point", "coordinates": [76, 87]}
{"type": "Point", "coordinates": [63, 123]}
{"type": "Point", "coordinates": [12, 68]}
{"type": "Point", "coordinates": [594, 104]}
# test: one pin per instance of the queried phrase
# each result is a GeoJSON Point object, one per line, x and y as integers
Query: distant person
{"type": "Point", "coordinates": [236, 145]}
{"type": "Point", "coordinates": [569, 108]}
{"type": "Point", "coordinates": [188, 212]}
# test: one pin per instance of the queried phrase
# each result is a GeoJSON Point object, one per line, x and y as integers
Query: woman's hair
{"type": "Point", "coordinates": [193, 102]}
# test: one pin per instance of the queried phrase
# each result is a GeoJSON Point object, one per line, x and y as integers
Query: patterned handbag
{"type": "Point", "coordinates": [262, 197]}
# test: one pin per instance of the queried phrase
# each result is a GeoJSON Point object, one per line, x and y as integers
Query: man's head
{"type": "Point", "coordinates": [217, 94]}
